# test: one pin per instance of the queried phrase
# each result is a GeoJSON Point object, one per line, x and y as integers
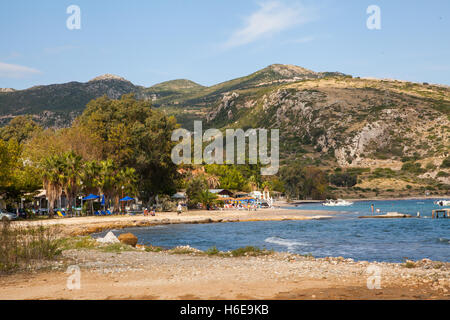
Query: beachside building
{"type": "Point", "coordinates": [241, 194]}
{"type": "Point", "coordinates": [256, 194]}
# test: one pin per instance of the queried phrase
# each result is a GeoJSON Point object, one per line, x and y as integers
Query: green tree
{"type": "Point", "coordinates": [18, 179]}
{"type": "Point", "coordinates": [343, 179]}
{"type": "Point", "coordinates": [52, 179]}
{"type": "Point", "coordinates": [20, 128]}
{"type": "Point", "coordinates": [446, 163]}
{"type": "Point", "coordinates": [194, 189]}
{"type": "Point", "coordinates": [207, 198]}
{"type": "Point", "coordinates": [90, 177]}
{"type": "Point", "coordinates": [304, 182]}
{"type": "Point", "coordinates": [71, 176]}
{"type": "Point", "coordinates": [229, 176]}
{"type": "Point", "coordinates": [126, 182]}
{"type": "Point", "coordinates": [135, 136]}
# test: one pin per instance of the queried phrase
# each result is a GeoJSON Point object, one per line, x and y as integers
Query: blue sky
{"type": "Point", "coordinates": [210, 41]}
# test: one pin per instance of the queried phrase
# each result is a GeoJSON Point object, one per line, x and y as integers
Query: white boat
{"type": "Point", "coordinates": [443, 203]}
{"type": "Point", "coordinates": [337, 203]}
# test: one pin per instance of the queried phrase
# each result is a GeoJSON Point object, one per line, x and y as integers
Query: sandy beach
{"type": "Point", "coordinates": [161, 275]}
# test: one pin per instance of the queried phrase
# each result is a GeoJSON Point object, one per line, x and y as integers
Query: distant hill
{"type": "Point", "coordinates": [327, 119]}
{"type": "Point", "coordinates": [58, 104]}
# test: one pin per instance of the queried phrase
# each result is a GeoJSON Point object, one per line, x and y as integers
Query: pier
{"type": "Point", "coordinates": [445, 213]}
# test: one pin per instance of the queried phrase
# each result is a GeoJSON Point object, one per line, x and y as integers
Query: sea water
{"type": "Point", "coordinates": [391, 240]}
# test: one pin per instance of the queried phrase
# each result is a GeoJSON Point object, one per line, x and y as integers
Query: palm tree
{"type": "Point", "coordinates": [253, 183]}
{"type": "Point", "coordinates": [107, 181]}
{"type": "Point", "coordinates": [207, 198]}
{"type": "Point", "coordinates": [90, 177]}
{"type": "Point", "coordinates": [52, 178]}
{"type": "Point", "coordinates": [212, 180]}
{"type": "Point", "coordinates": [126, 181]}
{"type": "Point", "coordinates": [71, 170]}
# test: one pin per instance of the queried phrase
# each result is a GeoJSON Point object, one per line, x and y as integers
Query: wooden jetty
{"type": "Point", "coordinates": [445, 213]}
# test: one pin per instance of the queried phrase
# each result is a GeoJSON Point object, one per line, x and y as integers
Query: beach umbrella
{"type": "Point", "coordinates": [91, 197]}
{"type": "Point", "coordinates": [127, 198]}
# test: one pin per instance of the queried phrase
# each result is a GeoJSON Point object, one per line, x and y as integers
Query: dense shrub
{"type": "Point", "coordinates": [446, 163]}
{"type": "Point", "coordinates": [413, 167]}
{"type": "Point", "coordinates": [442, 174]}
{"type": "Point", "coordinates": [343, 179]}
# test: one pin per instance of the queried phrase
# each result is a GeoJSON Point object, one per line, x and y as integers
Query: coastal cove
{"type": "Point", "coordinates": [383, 240]}
{"type": "Point", "coordinates": [136, 273]}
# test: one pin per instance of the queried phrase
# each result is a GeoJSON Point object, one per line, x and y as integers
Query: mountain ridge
{"type": "Point", "coordinates": [70, 98]}
{"type": "Point", "coordinates": [326, 119]}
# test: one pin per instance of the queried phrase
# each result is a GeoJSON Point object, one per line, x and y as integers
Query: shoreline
{"type": "Point", "coordinates": [136, 274]}
{"type": "Point", "coordinates": [285, 203]}
{"type": "Point", "coordinates": [78, 226]}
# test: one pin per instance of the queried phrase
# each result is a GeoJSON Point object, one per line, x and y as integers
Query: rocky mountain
{"type": "Point", "coordinates": [58, 104]}
{"type": "Point", "coordinates": [327, 119]}
{"type": "Point", "coordinates": [7, 90]}
{"type": "Point", "coordinates": [395, 133]}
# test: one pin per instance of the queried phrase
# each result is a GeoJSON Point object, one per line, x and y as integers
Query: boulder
{"type": "Point", "coordinates": [128, 238]}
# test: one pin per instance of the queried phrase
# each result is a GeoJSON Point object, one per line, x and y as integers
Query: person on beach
{"type": "Point", "coordinates": [179, 208]}
{"type": "Point", "coordinates": [372, 207]}
{"type": "Point", "coordinates": [145, 212]}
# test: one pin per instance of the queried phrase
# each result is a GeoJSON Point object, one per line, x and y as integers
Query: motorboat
{"type": "Point", "coordinates": [337, 203]}
{"type": "Point", "coordinates": [443, 203]}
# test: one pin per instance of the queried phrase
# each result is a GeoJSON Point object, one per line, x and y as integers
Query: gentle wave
{"type": "Point", "coordinates": [290, 244]}
{"type": "Point", "coordinates": [444, 240]}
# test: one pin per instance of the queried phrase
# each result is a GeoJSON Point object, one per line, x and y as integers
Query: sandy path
{"type": "Point", "coordinates": [149, 275]}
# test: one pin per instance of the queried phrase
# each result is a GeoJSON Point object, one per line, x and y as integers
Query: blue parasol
{"type": "Point", "coordinates": [91, 197]}
{"type": "Point", "coordinates": [127, 198]}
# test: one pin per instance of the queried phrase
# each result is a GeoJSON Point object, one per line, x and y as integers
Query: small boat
{"type": "Point", "coordinates": [337, 203]}
{"type": "Point", "coordinates": [443, 203]}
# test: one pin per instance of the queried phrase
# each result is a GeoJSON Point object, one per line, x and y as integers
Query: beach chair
{"type": "Point", "coordinates": [109, 212]}
{"type": "Point", "coordinates": [60, 214]}
{"type": "Point", "coordinates": [103, 213]}
{"type": "Point", "coordinates": [97, 213]}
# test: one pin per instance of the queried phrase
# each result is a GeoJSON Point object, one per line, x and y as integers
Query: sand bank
{"type": "Point", "coordinates": [87, 225]}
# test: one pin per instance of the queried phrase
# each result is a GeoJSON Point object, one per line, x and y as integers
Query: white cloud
{"type": "Point", "coordinates": [302, 40]}
{"type": "Point", "coordinates": [271, 18]}
{"type": "Point", "coordinates": [16, 71]}
{"type": "Point", "coordinates": [60, 49]}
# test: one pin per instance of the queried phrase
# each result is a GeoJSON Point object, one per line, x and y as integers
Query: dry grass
{"type": "Point", "coordinates": [21, 247]}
